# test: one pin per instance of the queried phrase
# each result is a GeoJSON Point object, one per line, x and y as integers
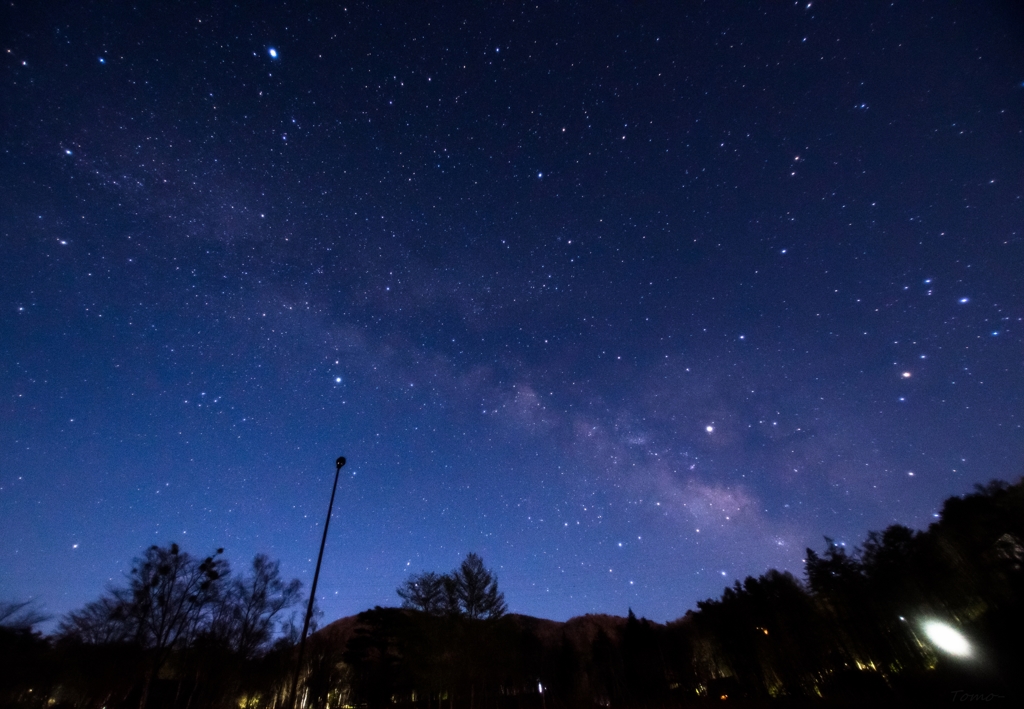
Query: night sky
{"type": "Point", "coordinates": [632, 299]}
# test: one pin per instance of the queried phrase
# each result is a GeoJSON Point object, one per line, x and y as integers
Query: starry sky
{"type": "Point", "coordinates": [632, 299]}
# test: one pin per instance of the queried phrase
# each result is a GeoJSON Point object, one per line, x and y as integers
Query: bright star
{"type": "Point", "coordinates": [337, 380]}
{"type": "Point", "coordinates": [709, 429]}
{"type": "Point", "coordinates": [965, 300]}
{"type": "Point", "coordinates": [272, 52]}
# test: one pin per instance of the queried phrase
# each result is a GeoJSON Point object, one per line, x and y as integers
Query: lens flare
{"type": "Point", "coordinates": [946, 638]}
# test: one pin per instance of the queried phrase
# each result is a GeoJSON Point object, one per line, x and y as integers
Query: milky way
{"type": "Point", "coordinates": [631, 299]}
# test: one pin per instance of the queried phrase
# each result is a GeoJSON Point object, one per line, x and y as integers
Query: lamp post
{"type": "Point", "coordinates": [316, 577]}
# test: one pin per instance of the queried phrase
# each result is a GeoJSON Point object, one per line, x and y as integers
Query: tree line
{"type": "Point", "coordinates": [182, 625]}
{"type": "Point", "coordinates": [186, 633]}
{"type": "Point", "coordinates": [854, 629]}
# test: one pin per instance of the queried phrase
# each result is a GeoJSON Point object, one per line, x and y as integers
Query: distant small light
{"type": "Point", "coordinates": [337, 380]}
{"type": "Point", "coordinates": [709, 429]}
{"type": "Point", "coordinates": [905, 375]}
{"type": "Point", "coordinates": [272, 52]}
{"type": "Point", "coordinates": [995, 333]}
{"type": "Point", "coordinates": [947, 638]}
{"type": "Point", "coordinates": [911, 473]}
{"type": "Point", "coordinates": [540, 175]}
{"type": "Point", "coordinates": [964, 300]}
{"type": "Point", "coordinates": [67, 152]}
{"type": "Point", "coordinates": [102, 60]}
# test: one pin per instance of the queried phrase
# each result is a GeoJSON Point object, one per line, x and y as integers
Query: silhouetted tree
{"type": "Point", "coordinates": [252, 604]}
{"type": "Point", "coordinates": [837, 581]}
{"type": "Point", "coordinates": [478, 590]}
{"type": "Point", "coordinates": [105, 620]}
{"type": "Point", "coordinates": [767, 635]}
{"type": "Point", "coordinates": [424, 592]}
{"type": "Point", "coordinates": [451, 641]}
{"type": "Point", "coordinates": [470, 591]}
{"type": "Point", "coordinates": [169, 595]}
{"type": "Point", "coordinates": [20, 615]}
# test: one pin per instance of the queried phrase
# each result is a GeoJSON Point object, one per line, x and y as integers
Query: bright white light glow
{"type": "Point", "coordinates": [709, 429]}
{"type": "Point", "coordinates": [946, 638]}
{"type": "Point", "coordinates": [273, 53]}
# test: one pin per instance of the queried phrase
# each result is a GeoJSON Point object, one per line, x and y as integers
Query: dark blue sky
{"type": "Point", "coordinates": [632, 299]}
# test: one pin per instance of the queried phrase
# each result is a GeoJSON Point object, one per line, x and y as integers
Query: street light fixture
{"type": "Point", "coordinates": [316, 577]}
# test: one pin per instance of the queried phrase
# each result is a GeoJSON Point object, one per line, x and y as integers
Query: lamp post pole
{"type": "Point", "coordinates": [316, 577]}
